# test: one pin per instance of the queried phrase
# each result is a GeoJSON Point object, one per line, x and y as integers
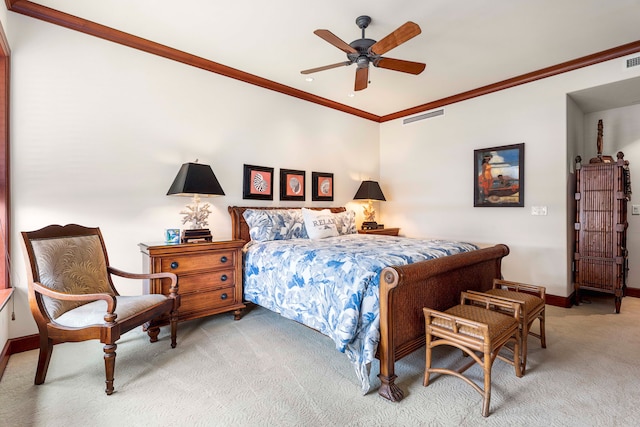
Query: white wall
{"type": "Point", "coordinates": [575, 143]}
{"type": "Point", "coordinates": [99, 131]}
{"type": "Point", "coordinates": [441, 205]}
{"type": "Point", "coordinates": [428, 169]}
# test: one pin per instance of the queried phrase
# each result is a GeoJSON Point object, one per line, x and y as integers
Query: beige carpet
{"type": "Point", "coordinates": [266, 370]}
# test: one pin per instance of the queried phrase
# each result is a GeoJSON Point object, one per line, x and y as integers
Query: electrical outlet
{"type": "Point", "coordinates": [635, 210]}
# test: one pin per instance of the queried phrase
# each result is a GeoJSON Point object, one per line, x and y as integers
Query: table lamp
{"type": "Point", "coordinates": [370, 191]}
{"type": "Point", "coordinates": [196, 179]}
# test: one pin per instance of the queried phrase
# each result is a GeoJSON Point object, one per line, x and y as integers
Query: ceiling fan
{"type": "Point", "coordinates": [365, 51]}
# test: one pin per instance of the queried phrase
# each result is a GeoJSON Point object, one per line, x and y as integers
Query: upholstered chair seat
{"type": "Point", "coordinates": [93, 313]}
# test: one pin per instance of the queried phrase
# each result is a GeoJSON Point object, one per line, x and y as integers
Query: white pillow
{"type": "Point", "coordinates": [319, 224]}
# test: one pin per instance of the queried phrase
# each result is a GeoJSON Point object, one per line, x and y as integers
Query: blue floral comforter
{"type": "Point", "coordinates": [332, 284]}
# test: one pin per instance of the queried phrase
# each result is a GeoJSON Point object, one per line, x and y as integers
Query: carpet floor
{"type": "Point", "coordinates": [264, 370]}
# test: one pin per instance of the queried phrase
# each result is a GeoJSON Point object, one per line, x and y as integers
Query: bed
{"type": "Point", "coordinates": [384, 317]}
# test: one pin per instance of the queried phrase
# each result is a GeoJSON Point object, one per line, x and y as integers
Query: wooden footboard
{"type": "Point", "coordinates": [405, 290]}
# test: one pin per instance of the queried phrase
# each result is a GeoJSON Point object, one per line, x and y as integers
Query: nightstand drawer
{"type": "Point", "coordinates": [384, 231]}
{"type": "Point", "coordinates": [188, 283]}
{"type": "Point", "coordinates": [198, 262]}
{"type": "Point", "coordinates": [206, 301]}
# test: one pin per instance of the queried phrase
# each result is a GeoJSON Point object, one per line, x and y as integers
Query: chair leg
{"type": "Point", "coordinates": [523, 349]}
{"type": "Point", "coordinates": [427, 365]}
{"type": "Point", "coordinates": [543, 338]}
{"type": "Point", "coordinates": [517, 354]}
{"type": "Point", "coordinates": [487, 363]}
{"type": "Point", "coordinates": [46, 348]}
{"type": "Point", "coordinates": [109, 365]}
{"type": "Point", "coordinates": [174, 328]}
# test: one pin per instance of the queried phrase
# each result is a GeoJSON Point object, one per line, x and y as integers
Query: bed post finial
{"type": "Point", "coordinates": [390, 277]}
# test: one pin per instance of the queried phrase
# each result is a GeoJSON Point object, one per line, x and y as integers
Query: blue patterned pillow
{"type": "Point", "coordinates": [275, 224]}
{"type": "Point", "coordinates": [346, 222]}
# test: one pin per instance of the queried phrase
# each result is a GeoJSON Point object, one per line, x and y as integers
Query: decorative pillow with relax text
{"type": "Point", "coordinates": [319, 224]}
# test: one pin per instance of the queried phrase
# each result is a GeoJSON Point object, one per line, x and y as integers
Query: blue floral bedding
{"type": "Point", "coordinates": [332, 284]}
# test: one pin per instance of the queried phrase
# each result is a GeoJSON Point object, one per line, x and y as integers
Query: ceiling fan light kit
{"type": "Point", "coordinates": [364, 51]}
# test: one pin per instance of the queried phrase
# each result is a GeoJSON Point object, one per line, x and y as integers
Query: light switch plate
{"type": "Point", "coordinates": [635, 210]}
{"type": "Point", "coordinates": [538, 210]}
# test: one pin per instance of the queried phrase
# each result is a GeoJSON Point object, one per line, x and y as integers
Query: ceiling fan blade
{"type": "Point", "coordinates": [362, 78]}
{"type": "Point", "coordinates": [401, 65]}
{"type": "Point", "coordinates": [405, 32]}
{"type": "Point", "coordinates": [326, 67]}
{"type": "Point", "coordinates": [328, 36]}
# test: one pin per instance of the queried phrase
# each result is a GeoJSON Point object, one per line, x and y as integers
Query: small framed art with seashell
{"type": "Point", "coordinates": [321, 187]}
{"type": "Point", "coordinates": [257, 183]}
{"type": "Point", "coordinates": [292, 184]}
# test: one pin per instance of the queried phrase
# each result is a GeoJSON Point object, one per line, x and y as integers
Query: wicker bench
{"type": "Point", "coordinates": [475, 326]}
{"type": "Point", "coordinates": [532, 301]}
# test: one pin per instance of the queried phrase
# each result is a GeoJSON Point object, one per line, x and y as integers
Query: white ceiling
{"type": "Point", "coordinates": [465, 44]}
{"type": "Point", "coordinates": [606, 97]}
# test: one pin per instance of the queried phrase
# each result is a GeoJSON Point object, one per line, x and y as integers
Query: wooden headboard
{"type": "Point", "coordinates": [239, 227]}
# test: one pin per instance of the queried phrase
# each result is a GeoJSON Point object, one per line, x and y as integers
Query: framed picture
{"type": "Point", "coordinates": [257, 183]}
{"type": "Point", "coordinates": [292, 184]}
{"type": "Point", "coordinates": [172, 235]}
{"type": "Point", "coordinates": [321, 186]}
{"type": "Point", "coordinates": [498, 178]}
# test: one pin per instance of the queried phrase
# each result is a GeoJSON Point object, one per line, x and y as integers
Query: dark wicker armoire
{"type": "Point", "coordinates": [603, 188]}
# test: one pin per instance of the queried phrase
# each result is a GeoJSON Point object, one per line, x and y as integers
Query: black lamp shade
{"type": "Point", "coordinates": [195, 178]}
{"type": "Point", "coordinates": [369, 190]}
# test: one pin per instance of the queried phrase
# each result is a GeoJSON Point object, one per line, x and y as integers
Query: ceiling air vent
{"type": "Point", "coordinates": [430, 114]}
{"type": "Point", "coordinates": [632, 62]}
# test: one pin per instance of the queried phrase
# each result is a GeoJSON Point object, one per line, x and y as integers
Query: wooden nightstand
{"type": "Point", "coordinates": [386, 231]}
{"type": "Point", "coordinates": [209, 276]}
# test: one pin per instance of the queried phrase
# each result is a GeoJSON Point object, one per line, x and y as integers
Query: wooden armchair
{"type": "Point", "coordinates": [72, 297]}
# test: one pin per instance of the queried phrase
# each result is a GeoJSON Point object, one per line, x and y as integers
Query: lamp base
{"type": "Point", "coordinates": [369, 225]}
{"type": "Point", "coordinates": [196, 235]}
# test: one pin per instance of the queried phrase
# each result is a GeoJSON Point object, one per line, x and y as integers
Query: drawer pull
{"type": "Point", "coordinates": [174, 265]}
{"type": "Point", "coordinates": [223, 278]}
{"type": "Point", "coordinates": [224, 259]}
{"type": "Point", "coordinates": [223, 296]}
